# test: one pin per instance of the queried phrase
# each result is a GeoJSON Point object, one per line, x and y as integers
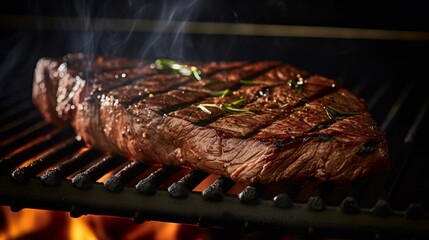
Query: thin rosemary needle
{"type": "Point", "coordinates": [182, 69]}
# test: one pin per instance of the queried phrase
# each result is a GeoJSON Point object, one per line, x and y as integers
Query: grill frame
{"type": "Point", "coordinates": [265, 216]}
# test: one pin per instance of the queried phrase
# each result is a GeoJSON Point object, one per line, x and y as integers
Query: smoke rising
{"type": "Point", "coordinates": [163, 40]}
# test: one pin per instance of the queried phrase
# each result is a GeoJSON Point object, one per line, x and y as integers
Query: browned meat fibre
{"type": "Point", "coordinates": [257, 122]}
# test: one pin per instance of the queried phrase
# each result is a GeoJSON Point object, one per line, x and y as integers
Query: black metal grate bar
{"type": "Point", "coordinates": [86, 179]}
{"type": "Point", "coordinates": [15, 159]}
{"type": "Point", "coordinates": [56, 153]}
{"type": "Point", "coordinates": [251, 194]}
{"type": "Point", "coordinates": [396, 107]}
{"type": "Point", "coordinates": [17, 111]}
{"type": "Point", "coordinates": [19, 124]}
{"type": "Point", "coordinates": [317, 201]}
{"type": "Point", "coordinates": [54, 176]}
{"type": "Point", "coordinates": [217, 190]}
{"type": "Point", "coordinates": [116, 183]}
{"type": "Point", "coordinates": [184, 186]}
{"type": "Point", "coordinates": [150, 184]}
{"type": "Point", "coordinates": [24, 137]}
{"type": "Point", "coordinates": [14, 97]}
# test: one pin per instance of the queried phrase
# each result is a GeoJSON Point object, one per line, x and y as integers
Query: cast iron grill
{"type": "Point", "coordinates": [44, 167]}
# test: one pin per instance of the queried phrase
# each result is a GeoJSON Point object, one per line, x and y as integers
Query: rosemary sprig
{"type": "Point", "coordinates": [334, 113]}
{"type": "Point", "coordinates": [231, 108]}
{"type": "Point", "coordinates": [222, 93]}
{"type": "Point", "coordinates": [248, 82]}
{"type": "Point", "coordinates": [182, 69]}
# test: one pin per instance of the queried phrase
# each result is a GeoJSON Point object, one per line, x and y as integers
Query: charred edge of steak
{"type": "Point", "coordinates": [89, 66]}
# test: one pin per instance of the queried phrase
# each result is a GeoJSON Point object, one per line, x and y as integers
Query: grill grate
{"type": "Point", "coordinates": [44, 167]}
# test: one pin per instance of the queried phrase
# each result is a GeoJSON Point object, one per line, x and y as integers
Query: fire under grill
{"type": "Point", "coordinates": [44, 167]}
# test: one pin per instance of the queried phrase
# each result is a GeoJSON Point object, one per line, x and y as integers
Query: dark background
{"type": "Point", "coordinates": [347, 60]}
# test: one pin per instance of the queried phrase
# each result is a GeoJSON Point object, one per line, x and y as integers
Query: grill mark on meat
{"type": "Point", "coordinates": [174, 86]}
{"type": "Point", "coordinates": [117, 80]}
{"type": "Point", "coordinates": [274, 76]}
{"type": "Point", "coordinates": [300, 104]}
{"type": "Point", "coordinates": [174, 81]}
{"type": "Point", "coordinates": [195, 94]}
{"type": "Point", "coordinates": [324, 133]}
{"type": "Point", "coordinates": [254, 123]}
{"type": "Point", "coordinates": [173, 99]}
{"type": "Point", "coordinates": [90, 72]}
{"type": "Point", "coordinates": [131, 94]}
{"type": "Point", "coordinates": [297, 119]}
{"type": "Point", "coordinates": [88, 66]}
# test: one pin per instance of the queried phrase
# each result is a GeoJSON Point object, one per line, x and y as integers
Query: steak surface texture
{"type": "Point", "coordinates": [254, 122]}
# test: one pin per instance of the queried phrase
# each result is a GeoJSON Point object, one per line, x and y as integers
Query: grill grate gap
{"type": "Point", "coordinates": [394, 119]}
{"type": "Point", "coordinates": [16, 112]}
{"type": "Point", "coordinates": [20, 124]}
{"type": "Point", "coordinates": [86, 179]}
{"type": "Point", "coordinates": [337, 195]}
{"type": "Point", "coordinates": [15, 96]}
{"type": "Point", "coordinates": [217, 190]}
{"type": "Point", "coordinates": [117, 182]}
{"type": "Point", "coordinates": [24, 137]}
{"type": "Point", "coordinates": [184, 186]}
{"type": "Point", "coordinates": [151, 183]}
{"type": "Point", "coordinates": [404, 162]}
{"type": "Point", "coordinates": [36, 147]}
{"type": "Point", "coordinates": [54, 176]}
{"type": "Point", "coordinates": [378, 95]}
{"type": "Point", "coordinates": [306, 190]}
{"type": "Point", "coordinates": [285, 199]}
{"type": "Point", "coordinates": [396, 108]}
{"type": "Point", "coordinates": [353, 201]}
{"type": "Point", "coordinates": [63, 149]}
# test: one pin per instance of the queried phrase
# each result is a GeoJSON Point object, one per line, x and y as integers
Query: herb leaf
{"type": "Point", "coordinates": [248, 82]}
{"type": "Point", "coordinates": [222, 93]}
{"type": "Point", "coordinates": [231, 108]}
{"type": "Point", "coordinates": [239, 101]}
{"type": "Point", "coordinates": [334, 113]}
{"type": "Point", "coordinates": [234, 110]}
{"type": "Point", "coordinates": [182, 69]}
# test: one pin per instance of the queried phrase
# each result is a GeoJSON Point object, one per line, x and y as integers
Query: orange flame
{"type": "Point", "coordinates": [80, 230]}
{"type": "Point", "coordinates": [42, 224]}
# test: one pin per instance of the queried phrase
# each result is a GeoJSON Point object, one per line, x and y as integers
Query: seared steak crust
{"type": "Point", "coordinates": [287, 124]}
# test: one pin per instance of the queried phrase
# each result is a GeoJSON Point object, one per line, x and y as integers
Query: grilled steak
{"type": "Point", "coordinates": [255, 122]}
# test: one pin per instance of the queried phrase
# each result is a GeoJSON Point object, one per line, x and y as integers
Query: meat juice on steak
{"type": "Point", "coordinates": [255, 122]}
